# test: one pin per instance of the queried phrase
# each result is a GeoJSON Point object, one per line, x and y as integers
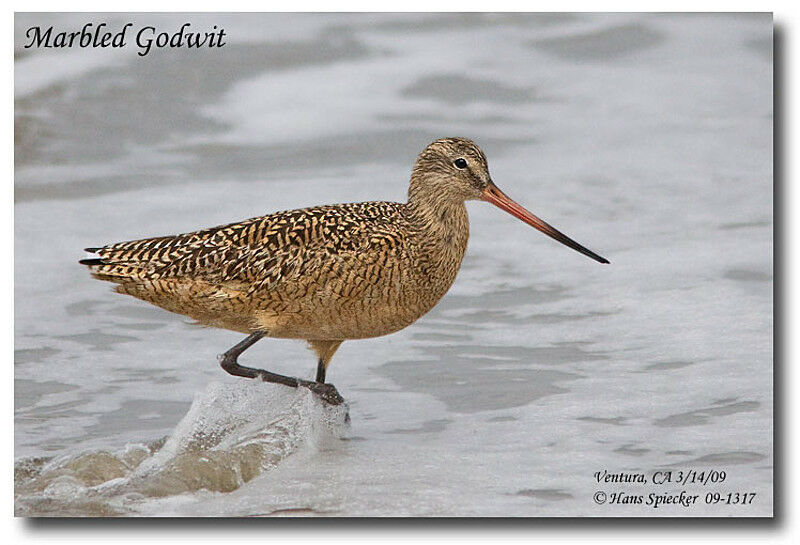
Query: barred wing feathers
{"type": "Point", "coordinates": [255, 254]}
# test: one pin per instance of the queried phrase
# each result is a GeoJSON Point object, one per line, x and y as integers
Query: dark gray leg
{"type": "Point", "coordinates": [229, 362]}
{"type": "Point", "coordinates": [320, 371]}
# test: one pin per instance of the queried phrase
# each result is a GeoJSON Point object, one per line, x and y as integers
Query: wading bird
{"type": "Point", "coordinates": [324, 274]}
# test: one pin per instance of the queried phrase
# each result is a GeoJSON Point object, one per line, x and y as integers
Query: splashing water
{"type": "Point", "coordinates": [231, 434]}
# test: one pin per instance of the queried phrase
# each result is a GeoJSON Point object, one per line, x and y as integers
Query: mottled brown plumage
{"type": "Point", "coordinates": [324, 274]}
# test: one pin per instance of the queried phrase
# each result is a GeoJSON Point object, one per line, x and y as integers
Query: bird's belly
{"type": "Point", "coordinates": [334, 319]}
{"type": "Point", "coordinates": [378, 310]}
{"type": "Point", "coordinates": [341, 326]}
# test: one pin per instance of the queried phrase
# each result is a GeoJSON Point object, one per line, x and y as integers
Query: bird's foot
{"type": "Point", "coordinates": [327, 392]}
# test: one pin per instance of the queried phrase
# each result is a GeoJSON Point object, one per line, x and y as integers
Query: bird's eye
{"type": "Point", "coordinates": [460, 163]}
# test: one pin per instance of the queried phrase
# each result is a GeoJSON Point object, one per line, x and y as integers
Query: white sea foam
{"type": "Point", "coordinates": [231, 434]}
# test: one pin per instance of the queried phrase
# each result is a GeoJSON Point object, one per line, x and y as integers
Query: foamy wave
{"type": "Point", "coordinates": [231, 434]}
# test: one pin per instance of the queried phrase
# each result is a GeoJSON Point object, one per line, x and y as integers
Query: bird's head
{"type": "Point", "coordinates": [455, 169]}
{"type": "Point", "coordinates": [452, 167]}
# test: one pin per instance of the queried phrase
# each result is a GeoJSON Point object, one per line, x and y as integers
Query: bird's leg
{"type": "Point", "coordinates": [325, 351]}
{"type": "Point", "coordinates": [229, 362]}
{"type": "Point", "coordinates": [321, 370]}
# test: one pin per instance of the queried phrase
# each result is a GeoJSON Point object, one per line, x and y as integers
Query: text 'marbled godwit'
{"type": "Point", "coordinates": [325, 274]}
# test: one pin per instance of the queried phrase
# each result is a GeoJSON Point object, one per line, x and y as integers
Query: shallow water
{"type": "Point", "coordinates": [648, 138]}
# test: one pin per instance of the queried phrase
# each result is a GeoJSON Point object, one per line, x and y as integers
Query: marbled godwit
{"type": "Point", "coordinates": [324, 274]}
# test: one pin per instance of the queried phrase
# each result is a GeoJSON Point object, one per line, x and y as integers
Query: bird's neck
{"type": "Point", "coordinates": [440, 220]}
{"type": "Point", "coordinates": [440, 226]}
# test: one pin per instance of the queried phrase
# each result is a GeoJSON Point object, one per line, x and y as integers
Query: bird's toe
{"type": "Point", "coordinates": [326, 392]}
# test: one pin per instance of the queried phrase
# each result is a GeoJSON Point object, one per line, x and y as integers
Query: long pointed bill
{"type": "Point", "coordinates": [493, 195]}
